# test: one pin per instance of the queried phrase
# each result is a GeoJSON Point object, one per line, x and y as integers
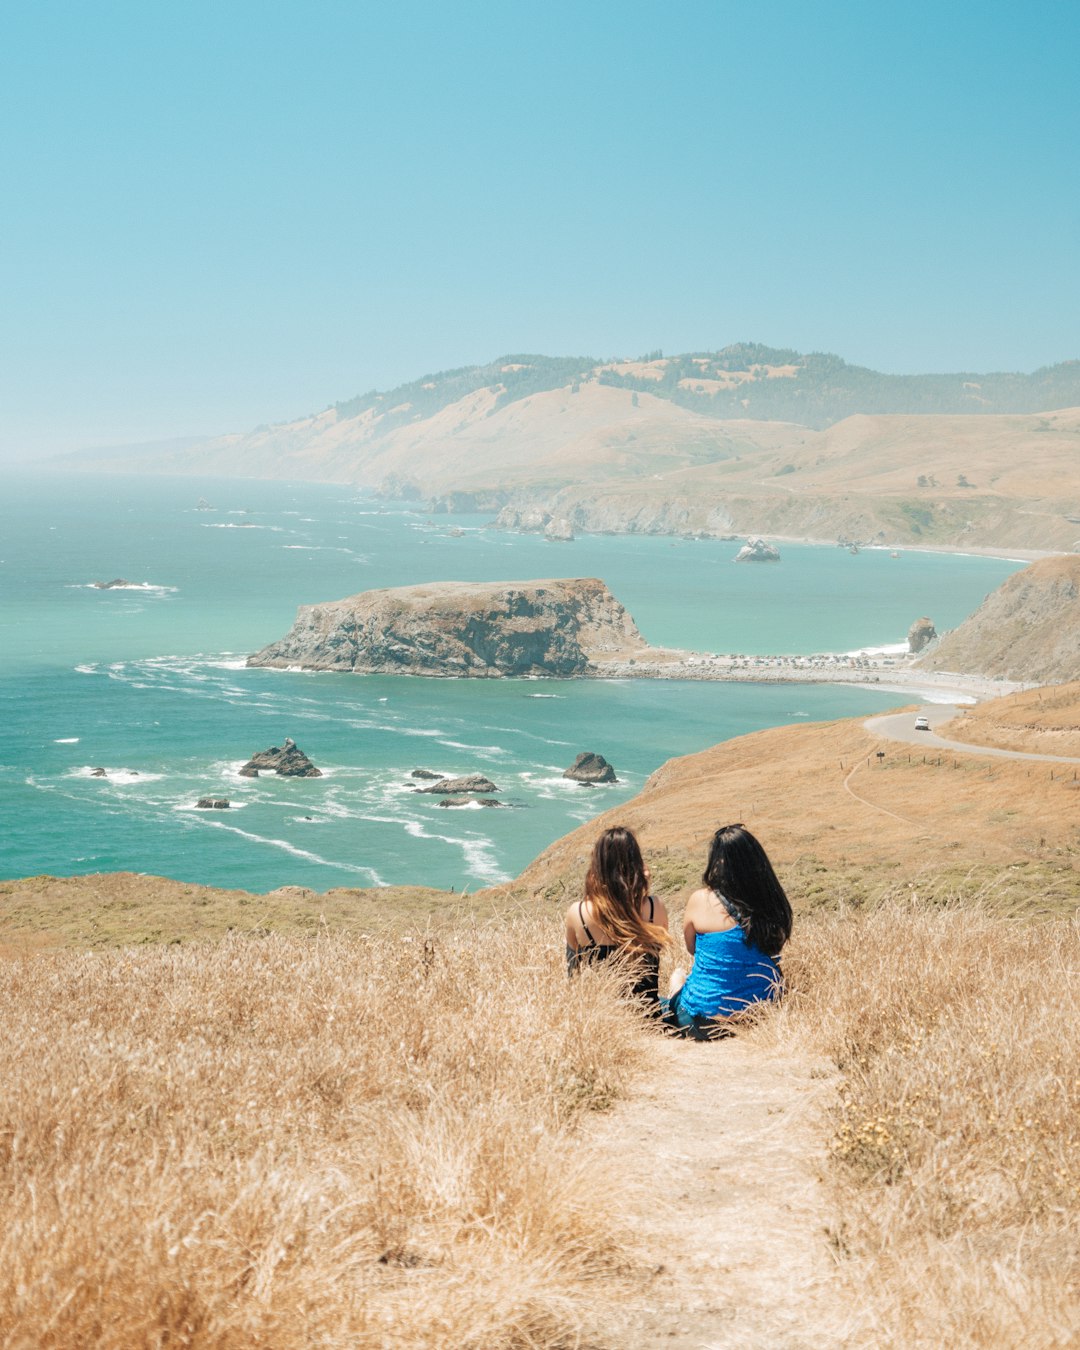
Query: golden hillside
{"type": "Point", "coordinates": [840, 824]}
{"type": "Point", "coordinates": [1028, 629]}
{"type": "Point", "coordinates": [1045, 721]}
{"type": "Point", "coordinates": [661, 455]}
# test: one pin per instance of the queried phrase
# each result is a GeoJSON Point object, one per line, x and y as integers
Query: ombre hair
{"type": "Point", "coordinates": [615, 886]}
{"type": "Point", "coordinates": [739, 870]}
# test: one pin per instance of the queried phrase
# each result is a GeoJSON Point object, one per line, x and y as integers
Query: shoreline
{"type": "Point", "coordinates": [886, 673]}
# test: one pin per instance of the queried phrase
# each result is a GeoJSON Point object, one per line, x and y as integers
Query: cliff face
{"type": "Point", "coordinates": [1028, 629]}
{"type": "Point", "coordinates": [479, 629]}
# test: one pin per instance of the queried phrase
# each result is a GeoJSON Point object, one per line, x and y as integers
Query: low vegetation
{"type": "Point", "coordinates": [290, 1142]}
{"type": "Point", "coordinates": [956, 1136]}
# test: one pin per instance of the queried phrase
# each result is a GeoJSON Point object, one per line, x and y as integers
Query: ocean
{"type": "Point", "coordinates": [148, 681]}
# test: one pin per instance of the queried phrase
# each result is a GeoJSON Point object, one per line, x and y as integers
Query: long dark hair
{"type": "Point", "coordinates": [615, 885]}
{"type": "Point", "coordinates": [740, 871]}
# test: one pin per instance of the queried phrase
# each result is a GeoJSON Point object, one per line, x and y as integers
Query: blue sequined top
{"type": "Point", "coordinates": [727, 975]}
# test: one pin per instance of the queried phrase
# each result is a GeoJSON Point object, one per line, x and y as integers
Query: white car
{"type": "Point", "coordinates": [922, 724]}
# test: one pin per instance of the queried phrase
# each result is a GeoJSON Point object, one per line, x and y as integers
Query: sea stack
{"type": "Point", "coordinates": [461, 628]}
{"type": "Point", "coordinates": [757, 550]}
{"type": "Point", "coordinates": [590, 768]}
{"type": "Point", "coordinates": [288, 760]}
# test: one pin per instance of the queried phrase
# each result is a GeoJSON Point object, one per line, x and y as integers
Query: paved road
{"type": "Point", "coordinates": [901, 727]}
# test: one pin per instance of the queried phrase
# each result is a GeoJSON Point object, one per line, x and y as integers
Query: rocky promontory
{"type": "Point", "coordinates": [458, 628]}
{"type": "Point", "coordinates": [1027, 630]}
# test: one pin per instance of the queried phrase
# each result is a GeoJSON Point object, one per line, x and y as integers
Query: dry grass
{"type": "Point", "coordinates": [844, 833]}
{"type": "Point", "coordinates": [1043, 721]}
{"type": "Point", "coordinates": [293, 1142]}
{"type": "Point", "coordinates": [956, 1139]}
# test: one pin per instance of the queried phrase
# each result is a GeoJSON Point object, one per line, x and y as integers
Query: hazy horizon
{"type": "Point", "coordinates": [230, 217]}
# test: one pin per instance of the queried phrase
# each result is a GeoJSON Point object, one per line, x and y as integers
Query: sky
{"type": "Point", "coordinates": [221, 214]}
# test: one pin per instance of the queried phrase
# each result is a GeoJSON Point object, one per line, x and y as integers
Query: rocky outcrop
{"type": "Point", "coordinates": [474, 629]}
{"type": "Point", "coordinates": [590, 768]}
{"type": "Point", "coordinates": [1028, 629]}
{"type": "Point", "coordinates": [526, 519]}
{"type": "Point", "coordinates": [921, 633]}
{"type": "Point", "coordinates": [288, 760]}
{"type": "Point", "coordinates": [474, 782]}
{"type": "Point", "coordinates": [559, 531]}
{"type": "Point", "coordinates": [426, 773]}
{"type": "Point", "coordinates": [757, 550]}
{"type": "Point", "coordinates": [117, 584]}
{"type": "Point", "coordinates": [212, 804]}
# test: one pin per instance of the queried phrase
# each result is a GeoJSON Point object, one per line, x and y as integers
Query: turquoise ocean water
{"type": "Point", "coordinates": [150, 684]}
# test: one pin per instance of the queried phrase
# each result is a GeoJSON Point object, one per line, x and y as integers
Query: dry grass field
{"type": "Point", "coordinates": [288, 1142]}
{"type": "Point", "coordinates": [956, 1134]}
{"type": "Point", "coordinates": [1043, 721]}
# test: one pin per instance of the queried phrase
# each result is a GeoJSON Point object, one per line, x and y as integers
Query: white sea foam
{"type": "Point", "coordinates": [193, 805]}
{"type": "Point", "coordinates": [241, 525]}
{"type": "Point", "coordinates": [306, 854]}
{"type": "Point", "coordinates": [66, 740]}
{"type": "Point", "coordinates": [476, 852]}
{"type": "Point", "coordinates": [496, 750]}
{"type": "Point", "coordinates": [125, 777]}
{"type": "Point", "coordinates": [89, 669]}
{"type": "Point", "coordinates": [887, 649]}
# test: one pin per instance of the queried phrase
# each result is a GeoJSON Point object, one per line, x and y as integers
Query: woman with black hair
{"type": "Point", "coordinates": [734, 928]}
{"type": "Point", "coordinates": [618, 917]}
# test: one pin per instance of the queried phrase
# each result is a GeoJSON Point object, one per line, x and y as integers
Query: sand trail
{"type": "Point", "coordinates": [731, 1206]}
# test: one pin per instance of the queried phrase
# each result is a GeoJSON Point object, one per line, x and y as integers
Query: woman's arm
{"type": "Point", "coordinates": [573, 942]}
{"type": "Point", "coordinates": [689, 930]}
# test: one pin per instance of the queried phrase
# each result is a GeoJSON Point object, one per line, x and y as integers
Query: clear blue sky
{"type": "Point", "coordinates": [219, 214]}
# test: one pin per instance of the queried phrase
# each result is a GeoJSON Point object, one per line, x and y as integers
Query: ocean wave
{"type": "Point", "coordinates": [125, 777]}
{"type": "Point", "coordinates": [146, 587]}
{"type": "Point", "coordinates": [495, 750]}
{"type": "Point", "coordinates": [91, 668]}
{"type": "Point", "coordinates": [306, 854]}
{"type": "Point", "coordinates": [241, 525]}
{"type": "Point", "coordinates": [476, 852]}
{"type": "Point", "coordinates": [66, 740]}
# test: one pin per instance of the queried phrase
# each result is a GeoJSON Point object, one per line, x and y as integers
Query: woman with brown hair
{"type": "Point", "coordinates": [617, 917]}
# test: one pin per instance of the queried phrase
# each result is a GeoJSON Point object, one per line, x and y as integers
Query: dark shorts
{"type": "Point", "coordinates": [692, 1027]}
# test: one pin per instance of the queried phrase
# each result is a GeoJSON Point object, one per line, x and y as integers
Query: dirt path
{"type": "Point", "coordinates": [732, 1206]}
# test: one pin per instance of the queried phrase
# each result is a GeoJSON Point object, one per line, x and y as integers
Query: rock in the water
{"type": "Point", "coordinates": [98, 773]}
{"type": "Point", "coordinates": [116, 584]}
{"type": "Point", "coordinates": [921, 633]}
{"type": "Point", "coordinates": [590, 768]}
{"type": "Point", "coordinates": [426, 773]}
{"type": "Point", "coordinates": [288, 760]}
{"type": "Point", "coordinates": [559, 531]}
{"type": "Point", "coordinates": [469, 801]}
{"type": "Point", "coordinates": [474, 782]}
{"type": "Point", "coordinates": [528, 519]}
{"type": "Point", "coordinates": [757, 550]}
{"type": "Point", "coordinates": [212, 804]}
{"type": "Point", "coordinates": [461, 628]}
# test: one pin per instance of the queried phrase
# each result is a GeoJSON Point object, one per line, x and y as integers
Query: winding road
{"type": "Point", "coordinates": [901, 727]}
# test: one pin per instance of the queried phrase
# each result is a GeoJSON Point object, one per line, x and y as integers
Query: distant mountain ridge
{"type": "Point", "coordinates": [740, 441]}
{"type": "Point", "coordinates": [743, 380]}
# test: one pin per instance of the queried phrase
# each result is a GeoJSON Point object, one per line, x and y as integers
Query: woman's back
{"type": "Point", "coordinates": [729, 973]}
{"type": "Point", "coordinates": [588, 942]}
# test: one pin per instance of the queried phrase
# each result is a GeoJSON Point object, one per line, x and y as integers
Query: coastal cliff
{"type": "Point", "coordinates": [456, 628]}
{"type": "Point", "coordinates": [1028, 629]}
